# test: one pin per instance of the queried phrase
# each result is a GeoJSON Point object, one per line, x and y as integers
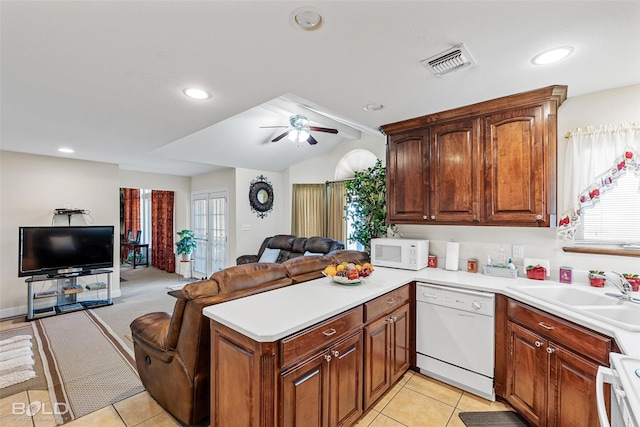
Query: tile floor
{"type": "Point", "coordinates": [414, 401]}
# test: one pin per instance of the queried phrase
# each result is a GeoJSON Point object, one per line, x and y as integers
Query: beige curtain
{"type": "Point", "coordinates": [336, 221]}
{"type": "Point", "coordinates": [309, 210]}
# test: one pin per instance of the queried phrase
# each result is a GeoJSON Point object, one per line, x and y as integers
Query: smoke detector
{"type": "Point", "coordinates": [451, 59]}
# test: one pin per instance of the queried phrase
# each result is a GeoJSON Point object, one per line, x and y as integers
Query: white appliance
{"type": "Point", "coordinates": [624, 377]}
{"type": "Point", "coordinates": [407, 254]}
{"type": "Point", "coordinates": [455, 337]}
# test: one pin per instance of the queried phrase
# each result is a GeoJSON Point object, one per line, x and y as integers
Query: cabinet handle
{"type": "Point", "coordinates": [329, 332]}
{"type": "Point", "coordinates": [433, 217]}
{"type": "Point", "coordinates": [424, 217]}
{"type": "Point", "coordinates": [391, 301]}
{"type": "Point", "coordinates": [389, 319]}
{"type": "Point", "coordinates": [550, 350]}
{"type": "Point", "coordinates": [327, 358]}
{"type": "Point", "coordinates": [335, 353]}
{"type": "Point", "coordinates": [547, 327]}
{"type": "Point", "coordinates": [539, 217]}
{"type": "Point", "coordinates": [538, 344]}
{"type": "Point", "coordinates": [395, 319]}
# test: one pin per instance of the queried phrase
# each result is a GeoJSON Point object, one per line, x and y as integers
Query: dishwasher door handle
{"type": "Point", "coordinates": [604, 375]}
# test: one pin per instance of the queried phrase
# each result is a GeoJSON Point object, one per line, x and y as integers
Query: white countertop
{"type": "Point", "coordinates": [273, 315]}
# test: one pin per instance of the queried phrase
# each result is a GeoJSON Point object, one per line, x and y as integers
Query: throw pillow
{"type": "Point", "coordinates": [269, 255]}
{"type": "Point", "coordinates": [307, 253]}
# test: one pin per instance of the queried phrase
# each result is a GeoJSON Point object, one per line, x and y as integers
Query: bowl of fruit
{"type": "Point", "coordinates": [348, 273]}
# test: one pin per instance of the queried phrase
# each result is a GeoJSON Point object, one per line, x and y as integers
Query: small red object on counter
{"type": "Point", "coordinates": [537, 273]}
{"type": "Point", "coordinates": [432, 261]}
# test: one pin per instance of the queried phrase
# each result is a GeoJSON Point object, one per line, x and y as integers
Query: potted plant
{"type": "Point", "coordinates": [633, 280]}
{"type": "Point", "coordinates": [597, 282]}
{"type": "Point", "coordinates": [366, 204]}
{"type": "Point", "coordinates": [187, 244]}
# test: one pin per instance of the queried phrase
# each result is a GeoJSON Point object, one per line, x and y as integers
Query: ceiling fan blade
{"type": "Point", "coordinates": [311, 140]}
{"type": "Point", "coordinates": [279, 137]}
{"type": "Point", "coordinates": [272, 127]}
{"type": "Point", "coordinates": [328, 130]}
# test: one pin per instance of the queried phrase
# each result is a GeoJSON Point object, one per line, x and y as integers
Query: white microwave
{"type": "Point", "coordinates": [407, 254]}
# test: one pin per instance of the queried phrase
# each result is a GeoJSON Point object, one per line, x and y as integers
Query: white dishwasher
{"type": "Point", "coordinates": [455, 337]}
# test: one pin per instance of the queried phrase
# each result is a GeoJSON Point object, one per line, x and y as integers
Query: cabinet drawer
{"type": "Point", "coordinates": [385, 303]}
{"type": "Point", "coordinates": [577, 338]}
{"type": "Point", "coordinates": [321, 335]}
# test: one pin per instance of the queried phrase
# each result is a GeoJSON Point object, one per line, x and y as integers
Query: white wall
{"type": "Point", "coordinates": [31, 188]}
{"type": "Point", "coordinates": [611, 106]}
{"type": "Point", "coordinates": [250, 229]}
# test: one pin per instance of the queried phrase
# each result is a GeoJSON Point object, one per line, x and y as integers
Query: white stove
{"type": "Point", "coordinates": [624, 377]}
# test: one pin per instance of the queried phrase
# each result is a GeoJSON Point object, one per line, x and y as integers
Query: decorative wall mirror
{"type": "Point", "coordinates": [261, 196]}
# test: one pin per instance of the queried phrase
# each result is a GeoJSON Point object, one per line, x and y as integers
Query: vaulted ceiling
{"type": "Point", "coordinates": [106, 78]}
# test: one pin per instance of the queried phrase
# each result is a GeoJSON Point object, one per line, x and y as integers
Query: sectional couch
{"type": "Point", "coordinates": [172, 351]}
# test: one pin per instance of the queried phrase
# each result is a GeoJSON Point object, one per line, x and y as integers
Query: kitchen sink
{"type": "Point", "coordinates": [570, 295]}
{"type": "Point", "coordinates": [591, 301]}
{"type": "Point", "coordinates": [626, 316]}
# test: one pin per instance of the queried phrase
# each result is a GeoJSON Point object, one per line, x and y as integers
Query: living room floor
{"type": "Point", "coordinates": [414, 401]}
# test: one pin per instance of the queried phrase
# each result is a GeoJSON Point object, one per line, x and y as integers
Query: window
{"type": "Point", "coordinates": [616, 219]}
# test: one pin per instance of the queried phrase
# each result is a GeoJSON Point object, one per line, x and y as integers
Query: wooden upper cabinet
{"type": "Point", "coordinates": [408, 175]}
{"type": "Point", "coordinates": [515, 167]}
{"type": "Point", "coordinates": [455, 172]}
{"type": "Point", "coordinates": [491, 163]}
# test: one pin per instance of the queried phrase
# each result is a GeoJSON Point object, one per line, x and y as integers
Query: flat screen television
{"type": "Point", "coordinates": [60, 250]}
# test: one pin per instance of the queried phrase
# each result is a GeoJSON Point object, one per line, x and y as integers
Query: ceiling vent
{"type": "Point", "coordinates": [450, 60]}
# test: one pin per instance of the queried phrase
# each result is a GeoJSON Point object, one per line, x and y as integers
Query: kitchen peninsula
{"type": "Point", "coordinates": [259, 341]}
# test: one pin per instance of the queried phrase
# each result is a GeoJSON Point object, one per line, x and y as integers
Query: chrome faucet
{"type": "Point", "coordinates": [619, 282]}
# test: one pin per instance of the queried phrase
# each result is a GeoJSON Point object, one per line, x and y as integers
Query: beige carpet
{"type": "Point", "coordinates": [87, 367]}
{"type": "Point", "coordinates": [144, 291]}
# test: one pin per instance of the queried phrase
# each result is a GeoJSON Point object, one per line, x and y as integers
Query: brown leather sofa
{"type": "Point", "coordinates": [292, 246]}
{"type": "Point", "coordinates": [172, 351]}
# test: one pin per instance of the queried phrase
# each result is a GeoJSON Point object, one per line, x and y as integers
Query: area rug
{"type": "Point", "coordinates": [17, 336]}
{"type": "Point", "coordinates": [86, 365]}
{"type": "Point", "coordinates": [16, 360]}
{"type": "Point", "coordinates": [493, 419]}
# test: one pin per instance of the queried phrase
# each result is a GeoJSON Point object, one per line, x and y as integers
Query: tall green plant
{"type": "Point", "coordinates": [366, 204]}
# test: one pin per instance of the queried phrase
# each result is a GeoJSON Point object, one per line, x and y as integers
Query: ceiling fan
{"type": "Point", "coordinates": [299, 130]}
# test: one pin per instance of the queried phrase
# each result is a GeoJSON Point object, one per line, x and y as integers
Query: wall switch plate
{"type": "Point", "coordinates": [518, 252]}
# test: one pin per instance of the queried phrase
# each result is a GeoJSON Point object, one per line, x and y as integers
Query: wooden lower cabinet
{"type": "Point", "coordinates": [386, 353]}
{"type": "Point", "coordinates": [551, 368]}
{"type": "Point", "coordinates": [325, 389]}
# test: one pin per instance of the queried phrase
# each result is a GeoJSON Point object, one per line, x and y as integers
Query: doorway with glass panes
{"type": "Point", "coordinates": [210, 224]}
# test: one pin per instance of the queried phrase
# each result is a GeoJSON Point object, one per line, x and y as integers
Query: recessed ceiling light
{"type": "Point", "coordinates": [553, 55]}
{"type": "Point", "coordinates": [306, 19]}
{"type": "Point", "coordinates": [373, 107]}
{"type": "Point", "coordinates": [196, 93]}
{"type": "Point", "coordinates": [65, 150]}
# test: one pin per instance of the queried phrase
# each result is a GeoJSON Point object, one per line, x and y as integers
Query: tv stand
{"type": "Point", "coordinates": [68, 286]}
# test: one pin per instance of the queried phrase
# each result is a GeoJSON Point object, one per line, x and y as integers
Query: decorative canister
{"type": "Point", "coordinates": [472, 265]}
{"type": "Point", "coordinates": [432, 261]}
{"type": "Point", "coordinates": [566, 274]}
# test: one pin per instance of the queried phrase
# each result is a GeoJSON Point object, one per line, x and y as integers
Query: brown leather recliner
{"type": "Point", "coordinates": [172, 351]}
{"type": "Point", "coordinates": [291, 247]}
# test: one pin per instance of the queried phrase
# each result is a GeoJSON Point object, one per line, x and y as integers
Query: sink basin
{"type": "Point", "coordinates": [593, 302]}
{"type": "Point", "coordinates": [626, 316]}
{"type": "Point", "coordinates": [570, 296]}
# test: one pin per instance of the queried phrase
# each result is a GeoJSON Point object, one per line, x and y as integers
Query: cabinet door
{"type": "Point", "coordinates": [376, 360]}
{"type": "Point", "coordinates": [345, 373]}
{"type": "Point", "coordinates": [518, 158]}
{"type": "Point", "coordinates": [407, 177]}
{"type": "Point", "coordinates": [572, 389]}
{"type": "Point", "coordinates": [399, 343]}
{"type": "Point", "coordinates": [305, 393]}
{"type": "Point", "coordinates": [455, 164]}
{"type": "Point", "coordinates": [527, 373]}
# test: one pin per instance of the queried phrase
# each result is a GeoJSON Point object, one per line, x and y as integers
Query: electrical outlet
{"type": "Point", "coordinates": [518, 252]}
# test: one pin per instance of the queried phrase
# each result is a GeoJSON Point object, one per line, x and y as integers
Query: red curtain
{"type": "Point", "coordinates": [131, 203]}
{"type": "Point", "coordinates": [162, 230]}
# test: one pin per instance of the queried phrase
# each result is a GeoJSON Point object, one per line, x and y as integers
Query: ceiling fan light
{"type": "Point", "coordinates": [293, 135]}
{"type": "Point", "coordinates": [303, 135]}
